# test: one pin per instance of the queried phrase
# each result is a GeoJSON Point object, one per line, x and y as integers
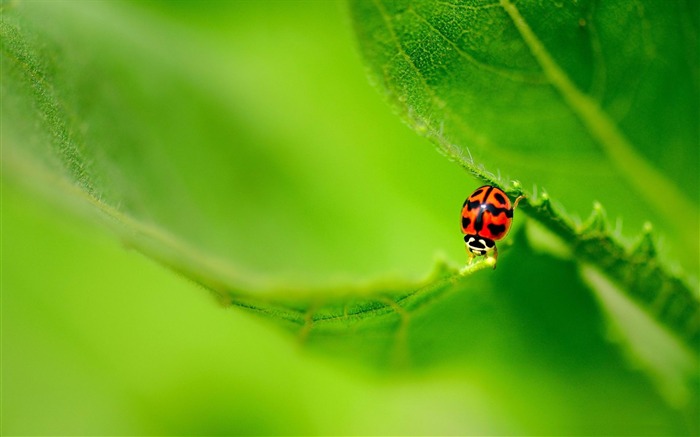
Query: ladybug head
{"type": "Point", "coordinates": [479, 245]}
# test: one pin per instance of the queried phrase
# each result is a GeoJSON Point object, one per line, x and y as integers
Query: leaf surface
{"type": "Point", "coordinates": [537, 89]}
{"type": "Point", "coordinates": [589, 101]}
{"type": "Point", "coordinates": [222, 143]}
{"type": "Point", "coordinates": [195, 135]}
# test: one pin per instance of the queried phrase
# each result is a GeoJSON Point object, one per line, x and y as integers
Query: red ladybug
{"type": "Point", "coordinates": [486, 217]}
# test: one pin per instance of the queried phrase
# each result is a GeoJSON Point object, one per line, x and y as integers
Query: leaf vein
{"type": "Point", "coordinates": [651, 184]}
{"type": "Point", "coordinates": [514, 76]}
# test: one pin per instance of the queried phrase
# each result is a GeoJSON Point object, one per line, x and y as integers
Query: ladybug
{"type": "Point", "coordinates": [486, 217]}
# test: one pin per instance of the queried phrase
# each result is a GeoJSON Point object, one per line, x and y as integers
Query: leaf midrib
{"type": "Point", "coordinates": [650, 184]}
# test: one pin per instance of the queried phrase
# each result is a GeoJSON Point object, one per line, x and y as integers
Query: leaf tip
{"type": "Point", "coordinates": [544, 203]}
{"type": "Point", "coordinates": [597, 223]}
{"type": "Point", "coordinates": [645, 249]}
{"type": "Point", "coordinates": [516, 189]}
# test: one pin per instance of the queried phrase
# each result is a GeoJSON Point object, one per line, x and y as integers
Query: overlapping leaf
{"type": "Point", "coordinates": [595, 102]}
{"type": "Point", "coordinates": [203, 172]}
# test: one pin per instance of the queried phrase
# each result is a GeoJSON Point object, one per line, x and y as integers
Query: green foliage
{"type": "Point", "coordinates": [239, 145]}
{"type": "Point", "coordinates": [544, 101]}
{"type": "Point", "coordinates": [535, 89]}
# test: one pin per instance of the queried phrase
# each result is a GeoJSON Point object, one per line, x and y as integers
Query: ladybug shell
{"type": "Point", "coordinates": [487, 213]}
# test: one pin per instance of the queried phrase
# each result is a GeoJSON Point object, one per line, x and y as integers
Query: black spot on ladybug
{"type": "Point", "coordinates": [500, 198]}
{"type": "Point", "coordinates": [479, 221]}
{"type": "Point", "coordinates": [474, 204]}
{"type": "Point", "coordinates": [494, 210]}
{"type": "Point", "coordinates": [466, 221]}
{"type": "Point", "coordinates": [496, 230]}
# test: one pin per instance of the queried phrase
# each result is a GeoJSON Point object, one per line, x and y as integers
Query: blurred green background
{"type": "Point", "coordinates": [249, 131]}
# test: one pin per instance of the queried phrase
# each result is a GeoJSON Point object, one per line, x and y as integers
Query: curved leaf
{"type": "Point", "coordinates": [218, 150]}
{"type": "Point", "coordinates": [198, 136]}
{"type": "Point", "coordinates": [596, 101]}
{"type": "Point", "coordinates": [574, 97]}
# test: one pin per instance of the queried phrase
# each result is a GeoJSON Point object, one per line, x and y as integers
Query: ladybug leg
{"type": "Point", "coordinates": [470, 257]}
{"type": "Point", "coordinates": [515, 205]}
{"type": "Point", "coordinates": [495, 256]}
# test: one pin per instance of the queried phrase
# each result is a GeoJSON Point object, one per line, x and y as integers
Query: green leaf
{"type": "Point", "coordinates": [221, 142]}
{"type": "Point", "coordinates": [598, 103]}
{"type": "Point", "coordinates": [195, 135]}
{"type": "Point", "coordinates": [143, 352]}
{"type": "Point", "coordinates": [595, 102]}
